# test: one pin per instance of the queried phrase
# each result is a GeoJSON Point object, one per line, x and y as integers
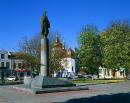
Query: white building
{"type": "Point", "coordinates": [107, 73]}
{"type": "Point", "coordinates": [69, 62]}
{"type": "Point", "coordinates": [5, 61]}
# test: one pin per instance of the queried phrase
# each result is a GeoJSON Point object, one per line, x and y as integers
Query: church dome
{"type": "Point", "coordinates": [56, 41]}
{"type": "Point", "coordinates": [63, 45]}
{"type": "Point", "coordinates": [70, 53]}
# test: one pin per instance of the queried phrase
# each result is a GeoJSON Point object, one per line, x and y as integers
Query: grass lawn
{"type": "Point", "coordinates": [97, 81]}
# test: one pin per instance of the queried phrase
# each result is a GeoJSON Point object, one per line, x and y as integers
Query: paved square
{"type": "Point", "coordinates": [102, 93]}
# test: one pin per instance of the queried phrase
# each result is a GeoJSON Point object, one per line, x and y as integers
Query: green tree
{"type": "Point", "coordinates": [56, 56]}
{"type": "Point", "coordinates": [89, 52]}
{"type": "Point", "coordinates": [30, 52]}
{"type": "Point", "coordinates": [29, 61]}
{"type": "Point", "coordinates": [115, 43]}
{"type": "Point", "coordinates": [31, 46]}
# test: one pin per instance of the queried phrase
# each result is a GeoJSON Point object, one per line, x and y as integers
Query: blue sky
{"type": "Point", "coordinates": [21, 18]}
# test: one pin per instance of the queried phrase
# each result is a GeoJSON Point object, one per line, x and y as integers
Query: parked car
{"type": "Point", "coordinates": [81, 76]}
{"type": "Point", "coordinates": [95, 77]}
{"type": "Point", "coordinates": [129, 77]}
{"type": "Point", "coordinates": [11, 78]}
{"type": "Point", "coordinates": [89, 76]}
{"type": "Point", "coordinates": [74, 77]}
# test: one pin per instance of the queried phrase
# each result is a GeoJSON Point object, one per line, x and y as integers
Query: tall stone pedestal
{"type": "Point", "coordinates": [44, 69]}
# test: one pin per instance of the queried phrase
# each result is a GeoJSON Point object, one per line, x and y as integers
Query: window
{"type": "Point", "coordinates": [72, 68]}
{"type": "Point", "coordinates": [2, 56]}
{"type": "Point", "coordinates": [2, 64]}
{"type": "Point", "coordinates": [121, 73]}
{"type": "Point", "coordinates": [7, 64]}
{"type": "Point", "coordinates": [14, 65]}
{"type": "Point", "coordinates": [19, 65]}
{"type": "Point", "coordinates": [108, 71]}
{"type": "Point", "coordinates": [100, 70]}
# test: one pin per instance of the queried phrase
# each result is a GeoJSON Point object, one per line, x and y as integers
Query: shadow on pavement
{"type": "Point", "coordinates": [112, 98]}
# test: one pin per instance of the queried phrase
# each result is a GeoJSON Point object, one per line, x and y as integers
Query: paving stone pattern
{"type": "Point", "coordinates": [102, 93]}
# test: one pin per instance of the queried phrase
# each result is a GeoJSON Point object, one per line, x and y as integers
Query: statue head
{"type": "Point", "coordinates": [44, 13]}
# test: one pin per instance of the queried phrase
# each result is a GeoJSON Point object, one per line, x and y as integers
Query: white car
{"type": "Point", "coordinates": [11, 78]}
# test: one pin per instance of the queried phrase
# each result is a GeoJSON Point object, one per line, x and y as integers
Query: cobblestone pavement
{"type": "Point", "coordinates": [102, 93]}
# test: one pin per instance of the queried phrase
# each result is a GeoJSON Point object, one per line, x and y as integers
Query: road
{"type": "Point", "coordinates": [101, 93]}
